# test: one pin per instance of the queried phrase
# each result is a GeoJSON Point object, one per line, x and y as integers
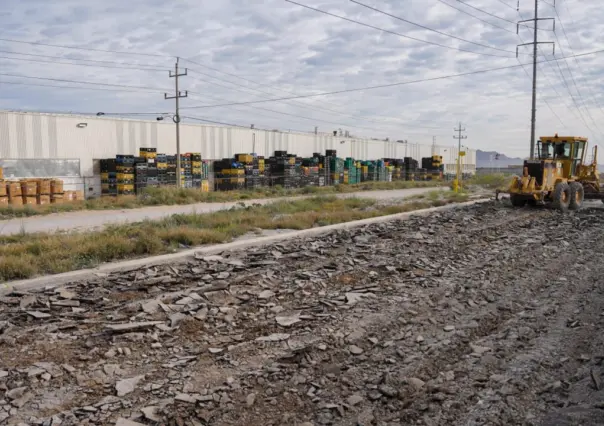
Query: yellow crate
{"type": "Point", "coordinates": [205, 186]}
{"type": "Point", "coordinates": [29, 187]}
{"type": "Point", "coordinates": [3, 192]}
{"type": "Point", "coordinates": [196, 164]}
{"type": "Point", "coordinates": [43, 186]}
{"type": "Point", "coordinates": [230, 180]}
{"type": "Point", "coordinates": [245, 158]}
{"type": "Point", "coordinates": [56, 186]}
{"type": "Point", "coordinates": [162, 166]}
{"type": "Point", "coordinates": [29, 200]}
{"type": "Point", "coordinates": [125, 187]}
{"type": "Point", "coordinates": [104, 176]}
{"type": "Point", "coordinates": [3, 201]}
{"type": "Point", "coordinates": [125, 176]}
{"type": "Point", "coordinates": [15, 201]}
{"type": "Point", "coordinates": [233, 172]}
{"type": "Point", "coordinates": [57, 199]}
{"type": "Point", "coordinates": [43, 199]}
{"type": "Point", "coordinates": [13, 189]}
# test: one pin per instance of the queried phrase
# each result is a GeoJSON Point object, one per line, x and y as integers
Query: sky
{"type": "Point", "coordinates": [243, 51]}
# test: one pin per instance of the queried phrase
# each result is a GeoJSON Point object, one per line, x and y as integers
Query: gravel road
{"type": "Point", "coordinates": [95, 219]}
{"type": "Point", "coordinates": [478, 316]}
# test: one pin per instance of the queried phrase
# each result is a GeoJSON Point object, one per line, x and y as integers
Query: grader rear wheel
{"type": "Point", "coordinates": [561, 197]}
{"type": "Point", "coordinates": [577, 195]}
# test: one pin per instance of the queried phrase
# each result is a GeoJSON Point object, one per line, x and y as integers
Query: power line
{"type": "Point", "coordinates": [428, 28]}
{"type": "Point", "coordinates": [71, 87]}
{"type": "Point", "coordinates": [545, 100]}
{"type": "Point", "coordinates": [84, 48]}
{"type": "Point", "coordinates": [270, 128]}
{"type": "Point", "coordinates": [330, 122]}
{"type": "Point", "coordinates": [538, 64]}
{"type": "Point", "coordinates": [495, 16]}
{"type": "Point", "coordinates": [596, 102]}
{"type": "Point", "coordinates": [548, 82]}
{"type": "Point", "coordinates": [301, 104]}
{"type": "Point", "coordinates": [83, 82]}
{"type": "Point", "coordinates": [81, 65]}
{"type": "Point", "coordinates": [506, 4]}
{"type": "Point", "coordinates": [444, 77]}
{"type": "Point", "coordinates": [80, 59]}
{"type": "Point", "coordinates": [394, 32]}
{"type": "Point", "coordinates": [476, 17]}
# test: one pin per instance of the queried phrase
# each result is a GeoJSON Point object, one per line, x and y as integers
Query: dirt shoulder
{"type": "Point", "coordinates": [486, 315]}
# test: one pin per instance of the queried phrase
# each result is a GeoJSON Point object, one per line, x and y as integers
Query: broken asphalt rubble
{"type": "Point", "coordinates": [367, 326]}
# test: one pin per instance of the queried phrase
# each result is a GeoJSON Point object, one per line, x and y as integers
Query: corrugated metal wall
{"type": "Point", "coordinates": [34, 135]}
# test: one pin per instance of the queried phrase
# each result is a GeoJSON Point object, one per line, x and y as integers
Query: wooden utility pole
{"type": "Point", "coordinates": [459, 137]}
{"type": "Point", "coordinates": [176, 118]}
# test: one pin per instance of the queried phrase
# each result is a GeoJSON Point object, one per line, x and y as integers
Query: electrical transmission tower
{"type": "Point", "coordinates": [177, 95]}
{"type": "Point", "coordinates": [535, 42]}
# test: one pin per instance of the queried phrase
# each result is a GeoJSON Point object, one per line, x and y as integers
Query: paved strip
{"type": "Point", "coordinates": [94, 219]}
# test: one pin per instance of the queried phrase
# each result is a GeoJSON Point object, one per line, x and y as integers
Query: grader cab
{"type": "Point", "coordinates": [559, 175]}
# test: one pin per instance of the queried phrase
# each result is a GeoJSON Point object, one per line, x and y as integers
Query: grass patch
{"type": "Point", "coordinates": [28, 255]}
{"type": "Point", "coordinates": [174, 196]}
{"type": "Point", "coordinates": [491, 181]}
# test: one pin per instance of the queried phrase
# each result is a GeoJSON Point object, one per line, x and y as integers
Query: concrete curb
{"type": "Point", "coordinates": [51, 281]}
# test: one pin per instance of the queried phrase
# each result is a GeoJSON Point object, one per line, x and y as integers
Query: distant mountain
{"type": "Point", "coordinates": [490, 159]}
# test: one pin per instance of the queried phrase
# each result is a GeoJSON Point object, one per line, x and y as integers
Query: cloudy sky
{"type": "Point", "coordinates": [242, 51]}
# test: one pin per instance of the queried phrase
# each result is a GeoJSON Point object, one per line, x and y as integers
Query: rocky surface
{"type": "Point", "coordinates": [480, 316]}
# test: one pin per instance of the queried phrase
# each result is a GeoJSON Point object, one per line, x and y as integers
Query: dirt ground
{"type": "Point", "coordinates": [479, 316]}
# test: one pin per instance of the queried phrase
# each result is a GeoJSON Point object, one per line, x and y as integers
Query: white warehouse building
{"type": "Point", "coordinates": [70, 146]}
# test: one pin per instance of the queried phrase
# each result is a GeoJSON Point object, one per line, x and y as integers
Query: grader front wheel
{"type": "Point", "coordinates": [562, 196]}
{"type": "Point", "coordinates": [517, 201]}
{"type": "Point", "coordinates": [577, 194]}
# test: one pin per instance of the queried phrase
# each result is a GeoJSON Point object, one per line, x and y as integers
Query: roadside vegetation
{"type": "Point", "coordinates": [29, 255]}
{"type": "Point", "coordinates": [173, 196]}
{"type": "Point", "coordinates": [492, 181]}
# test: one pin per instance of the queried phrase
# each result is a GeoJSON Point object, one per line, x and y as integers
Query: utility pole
{"type": "Point", "coordinates": [459, 137]}
{"type": "Point", "coordinates": [535, 42]}
{"type": "Point", "coordinates": [433, 145]}
{"type": "Point", "coordinates": [177, 95]}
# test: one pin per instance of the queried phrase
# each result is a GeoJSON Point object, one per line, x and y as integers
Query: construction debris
{"type": "Point", "coordinates": [468, 329]}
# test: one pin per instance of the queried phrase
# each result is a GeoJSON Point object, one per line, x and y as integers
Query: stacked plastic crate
{"type": "Point", "coordinates": [162, 169]}
{"type": "Point", "coordinates": [186, 171]}
{"type": "Point", "coordinates": [108, 177]}
{"type": "Point", "coordinates": [196, 169]}
{"type": "Point", "coordinates": [229, 175]}
{"type": "Point", "coordinates": [125, 174]}
{"type": "Point", "coordinates": [250, 164]}
{"type": "Point", "coordinates": [171, 170]}
{"type": "Point", "coordinates": [140, 177]}
{"type": "Point", "coordinates": [310, 171]}
{"type": "Point", "coordinates": [410, 167]}
{"type": "Point", "coordinates": [283, 170]}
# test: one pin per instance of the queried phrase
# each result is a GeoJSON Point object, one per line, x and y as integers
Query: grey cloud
{"type": "Point", "coordinates": [278, 43]}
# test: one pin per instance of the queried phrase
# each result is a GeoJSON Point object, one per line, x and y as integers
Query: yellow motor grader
{"type": "Point", "coordinates": [559, 175]}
